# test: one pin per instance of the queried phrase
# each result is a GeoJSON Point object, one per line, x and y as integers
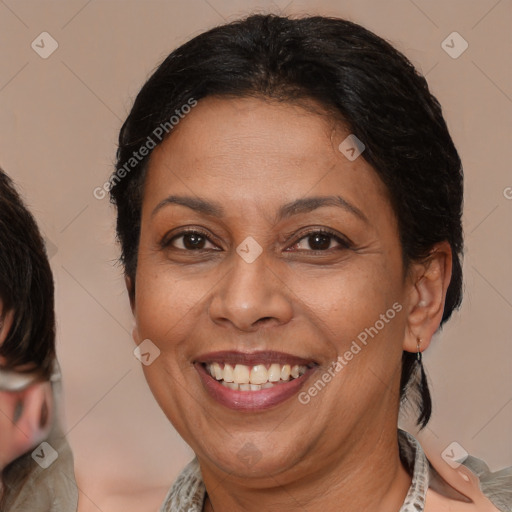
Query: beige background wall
{"type": "Point", "coordinates": [59, 119]}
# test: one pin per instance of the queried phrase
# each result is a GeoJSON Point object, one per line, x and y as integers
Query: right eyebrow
{"type": "Point", "coordinates": [194, 203]}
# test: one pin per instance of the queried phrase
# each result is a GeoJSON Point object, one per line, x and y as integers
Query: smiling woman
{"type": "Point", "coordinates": [297, 234]}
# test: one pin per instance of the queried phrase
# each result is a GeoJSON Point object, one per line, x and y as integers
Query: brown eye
{"type": "Point", "coordinates": [193, 241]}
{"type": "Point", "coordinates": [320, 241]}
{"type": "Point", "coordinates": [189, 241]}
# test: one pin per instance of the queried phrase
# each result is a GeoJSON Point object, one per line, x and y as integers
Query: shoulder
{"type": "Point", "coordinates": [497, 486]}
{"type": "Point", "coordinates": [468, 486]}
{"type": "Point", "coordinates": [461, 486]}
{"type": "Point", "coordinates": [49, 486]}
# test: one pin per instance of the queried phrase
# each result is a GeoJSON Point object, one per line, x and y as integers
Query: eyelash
{"type": "Point", "coordinates": [345, 244]}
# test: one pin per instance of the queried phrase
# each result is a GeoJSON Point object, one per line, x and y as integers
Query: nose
{"type": "Point", "coordinates": [249, 296]}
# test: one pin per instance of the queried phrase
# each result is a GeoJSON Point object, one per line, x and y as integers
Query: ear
{"type": "Point", "coordinates": [6, 320]}
{"type": "Point", "coordinates": [429, 282]}
{"type": "Point", "coordinates": [130, 287]}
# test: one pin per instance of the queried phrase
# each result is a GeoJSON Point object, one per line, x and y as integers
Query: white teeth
{"type": "Point", "coordinates": [259, 374]}
{"type": "Point", "coordinates": [274, 372]}
{"type": "Point", "coordinates": [217, 371]}
{"type": "Point", "coordinates": [247, 387]}
{"type": "Point", "coordinates": [241, 374]}
{"type": "Point", "coordinates": [246, 378]}
{"type": "Point", "coordinates": [228, 373]}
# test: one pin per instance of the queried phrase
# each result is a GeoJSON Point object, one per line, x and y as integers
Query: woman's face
{"type": "Point", "coordinates": [260, 287]}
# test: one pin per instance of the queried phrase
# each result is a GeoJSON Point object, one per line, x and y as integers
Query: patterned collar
{"type": "Point", "coordinates": [188, 491]}
{"type": "Point", "coordinates": [419, 468]}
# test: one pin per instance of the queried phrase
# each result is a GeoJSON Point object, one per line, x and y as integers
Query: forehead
{"type": "Point", "coordinates": [223, 129]}
{"type": "Point", "coordinates": [258, 150]}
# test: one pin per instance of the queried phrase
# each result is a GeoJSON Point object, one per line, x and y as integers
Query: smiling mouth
{"type": "Point", "coordinates": [253, 381]}
{"type": "Point", "coordinates": [241, 377]}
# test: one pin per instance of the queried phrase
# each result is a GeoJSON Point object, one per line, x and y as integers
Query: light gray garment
{"type": "Point", "coordinates": [52, 489]}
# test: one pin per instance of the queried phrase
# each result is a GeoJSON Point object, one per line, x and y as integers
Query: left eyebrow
{"type": "Point", "coordinates": [309, 204]}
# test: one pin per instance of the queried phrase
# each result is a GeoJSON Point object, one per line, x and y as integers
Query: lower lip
{"type": "Point", "coordinates": [251, 400]}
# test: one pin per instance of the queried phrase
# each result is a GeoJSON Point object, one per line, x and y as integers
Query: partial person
{"type": "Point", "coordinates": [36, 462]}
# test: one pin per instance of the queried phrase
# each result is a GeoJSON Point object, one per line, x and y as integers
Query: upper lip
{"type": "Point", "coordinates": [252, 358]}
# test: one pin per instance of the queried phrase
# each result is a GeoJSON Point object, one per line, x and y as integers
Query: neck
{"type": "Point", "coordinates": [368, 476]}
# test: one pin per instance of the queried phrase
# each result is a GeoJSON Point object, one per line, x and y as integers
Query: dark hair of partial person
{"type": "Point", "coordinates": [26, 286]}
{"type": "Point", "coordinates": [27, 289]}
{"type": "Point", "coordinates": [356, 77]}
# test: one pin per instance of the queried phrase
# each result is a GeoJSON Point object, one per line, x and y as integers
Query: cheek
{"type": "Point", "coordinates": [360, 321]}
{"type": "Point", "coordinates": [348, 300]}
{"type": "Point", "coordinates": [166, 304]}
{"type": "Point", "coordinates": [359, 316]}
